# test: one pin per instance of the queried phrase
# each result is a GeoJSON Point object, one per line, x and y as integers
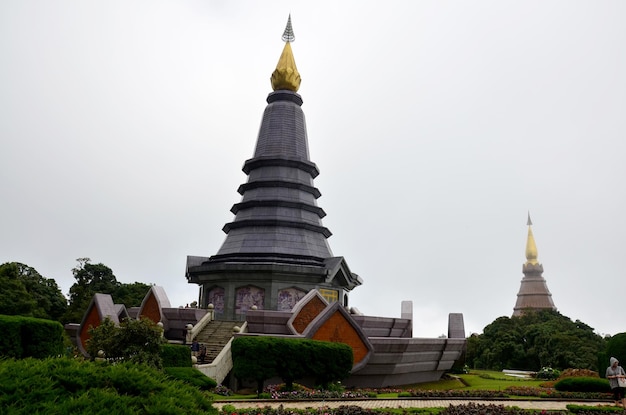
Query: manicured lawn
{"type": "Point", "coordinates": [475, 380]}
{"type": "Point", "coordinates": [445, 384]}
{"type": "Point", "coordinates": [489, 380]}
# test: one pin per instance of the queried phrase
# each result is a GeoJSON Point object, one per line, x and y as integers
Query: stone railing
{"type": "Point", "coordinates": [192, 331]}
{"type": "Point", "coordinates": [220, 366]}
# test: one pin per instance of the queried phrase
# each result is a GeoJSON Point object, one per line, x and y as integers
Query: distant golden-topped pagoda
{"type": "Point", "coordinates": [533, 294]}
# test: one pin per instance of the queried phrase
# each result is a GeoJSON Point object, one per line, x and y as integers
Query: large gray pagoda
{"type": "Point", "coordinates": [533, 294]}
{"type": "Point", "coordinates": [276, 248]}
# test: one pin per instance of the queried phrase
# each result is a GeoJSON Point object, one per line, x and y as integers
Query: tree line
{"type": "Point", "coordinates": [529, 342]}
{"type": "Point", "coordinates": [535, 340]}
{"type": "Point", "coordinates": [25, 292]}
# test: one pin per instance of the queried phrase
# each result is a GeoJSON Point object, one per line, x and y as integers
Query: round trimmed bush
{"type": "Point", "coordinates": [582, 384]}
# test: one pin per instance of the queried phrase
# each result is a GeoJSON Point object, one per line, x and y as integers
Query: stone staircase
{"type": "Point", "coordinates": [214, 337]}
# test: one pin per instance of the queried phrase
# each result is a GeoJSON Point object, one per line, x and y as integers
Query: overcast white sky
{"type": "Point", "coordinates": [436, 126]}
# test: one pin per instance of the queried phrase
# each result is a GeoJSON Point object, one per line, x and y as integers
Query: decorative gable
{"type": "Point", "coordinates": [100, 308]}
{"type": "Point", "coordinates": [335, 324]}
{"type": "Point", "coordinates": [305, 311]}
{"type": "Point", "coordinates": [153, 303]}
{"type": "Point", "coordinates": [340, 275]}
{"type": "Point", "coordinates": [314, 318]}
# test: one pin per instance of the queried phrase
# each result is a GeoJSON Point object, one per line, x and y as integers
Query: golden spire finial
{"type": "Point", "coordinates": [531, 248]}
{"type": "Point", "coordinates": [286, 75]}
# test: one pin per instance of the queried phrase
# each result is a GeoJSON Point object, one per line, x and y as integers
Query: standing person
{"type": "Point", "coordinates": [202, 355]}
{"type": "Point", "coordinates": [195, 348]}
{"type": "Point", "coordinates": [613, 373]}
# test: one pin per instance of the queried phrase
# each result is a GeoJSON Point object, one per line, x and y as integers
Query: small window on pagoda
{"type": "Point", "coordinates": [330, 295]}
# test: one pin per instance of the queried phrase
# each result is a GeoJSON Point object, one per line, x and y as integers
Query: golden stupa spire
{"type": "Point", "coordinates": [531, 248]}
{"type": "Point", "coordinates": [286, 75]}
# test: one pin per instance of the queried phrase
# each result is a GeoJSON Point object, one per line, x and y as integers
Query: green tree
{"type": "Point", "coordinates": [98, 278]}
{"type": "Point", "coordinates": [136, 341]}
{"type": "Point", "coordinates": [51, 303]}
{"type": "Point", "coordinates": [131, 295]}
{"type": "Point", "coordinates": [25, 292]}
{"type": "Point", "coordinates": [14, 299]}
{"type": "Point", "coordinates": [615, 347]}
{"type": "Point", "coordinates": [535, 340]}
{"type": "Point", "coordinates": [90, 279]}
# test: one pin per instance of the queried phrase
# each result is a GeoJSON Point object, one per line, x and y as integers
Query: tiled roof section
{"type": "Point", "coordinates": [133, 312]}
{"type": "Point", "coordinates": [278, 214]}
{"type": "Point", "coordinates": [161, 295]}
{"type": "Point", "coordinates": [338, 270]}
{"type": "Point", "coordinates": [105, 306]}
{"type": "Point", "coordinates": [122, 313]}
{"type": "Point", "coordinates": [282, 132]}
{"type": "Point", "coordinates": [270, 239]}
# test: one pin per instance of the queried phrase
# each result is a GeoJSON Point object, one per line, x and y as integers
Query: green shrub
{"type": "Point", "coordinates": [137, 341]}
{"type": "Point", "coordinates": [335, 387]}
{"type": "Point", "coordinates": [30, 337]}
{"type": "Point", "coordinates": [68, 386]}
{"type": "Point", "coordinates": [328, 361]}
{"type": "Point", "coordinates": [259, 358]}
{"type": "Point", "coordinates": [191, 376]}
{"type": "Point", "coordinates": [229, 409]}
{"type": "Point", "coordinates": [174, 355]}
{"type": "Point", "coordinates": [582, 384]}
{"type": "Point", "coordinates": [42, 338]}
{"type": "Point", "coordinates": [11, 339]}
{"type": "Point", "coordinates": [575, 409]}
{"type": "Point", "coordinates": [247, 363]}
{"type": "Point", "coordinates": [548, 373]}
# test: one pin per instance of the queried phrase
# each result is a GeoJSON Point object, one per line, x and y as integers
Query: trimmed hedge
{"type": "Point", "coordinates": [174, 355]}
{"type": "Point", "coordinates": [30, 337]}
{"type": "Point", "coordinates": [582, 384]}
{"type": "Point", "coordinates": [260, 358]}
{"type": "Point", "coordinates": [585, 409]}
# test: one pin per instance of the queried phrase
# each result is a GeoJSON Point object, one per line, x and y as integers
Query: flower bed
{"type": "Point", "coordinates": [554, 394]}
{"type": "Point", "coordinates": [274, 392]}
{"type": "Point", "coordinates": [277, 392]}
{"type": "Point", "coordinates": [469, 409]}
{"type": "Point", "coordinates": [456, 393]}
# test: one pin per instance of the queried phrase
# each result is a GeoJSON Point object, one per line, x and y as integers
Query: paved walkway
{"type": "Point", "coordinates": [407, 403]}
